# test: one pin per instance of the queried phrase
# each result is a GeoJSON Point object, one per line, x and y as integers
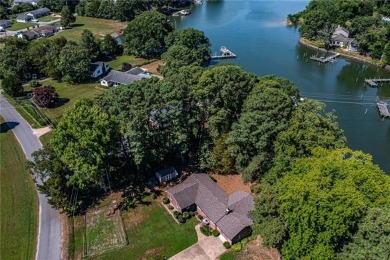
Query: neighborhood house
{"type": "Point", "coordinates": [4, 24]}
{"type": "Point", "coordinates": [116, 78]}
{"type": "Point", "coordinates": [43, 31]}
{"type": "Point", "coordinates": [99, 68]}
{"type": "Point", "coordinates": [341, 39]}
{"type": "Point", "coordinates": [166, 175]}
{"type": "Point", "coordinates": [229, 213]}
{"type": "Point", "coordinates": [32, 15]}
{"type": "Point", "coordinates": [19, 2]}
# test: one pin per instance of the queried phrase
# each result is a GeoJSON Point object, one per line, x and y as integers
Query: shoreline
{"type": "Point", "coordinates": [306, 43]}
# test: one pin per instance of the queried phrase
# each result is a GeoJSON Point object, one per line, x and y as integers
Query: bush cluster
{"type": "Point", "coordinates": [165, 200]}
{"type": "Point", "coordinates": [216, 233]}
{"type": "Point", "coordinates": [170, 207]}
{"type": "Point", "coordinates": [226, 244]}
{"type": "Point", "coordinates": [205, 230]}
{"type": "Point", "coordinates": [237, 247]}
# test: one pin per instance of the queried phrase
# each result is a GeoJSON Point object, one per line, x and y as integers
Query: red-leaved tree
{"type": "Point", "coordinates": [45, 96]}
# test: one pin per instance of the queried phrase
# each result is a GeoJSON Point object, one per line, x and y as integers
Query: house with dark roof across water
{"type": "Point", "coordinates": [228, 213]}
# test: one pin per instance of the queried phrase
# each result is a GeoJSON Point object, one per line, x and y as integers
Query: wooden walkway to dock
{"type": "Point", "coordinates": [225, 54]}
{"type": "Point", "coordinates": [383, 110]}
{"type": "Point", "coordinates": [375, 82]}
{"type": "Point", "coordinates": [325, 60]}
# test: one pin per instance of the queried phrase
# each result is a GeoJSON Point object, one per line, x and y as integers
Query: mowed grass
{"type": "Point", "coordinates": [99, 27]}
{"type": "Point", "coordinates": [68, 95]}
{"type": "Point", "coordinates": [151, 232]}
{"type": "Point", "coordinates": [134, 61]}
{"type": "Point", "coordinates": [19, 26]}
{"type": "Point", "coordinates": [18, 201]}
{"type": "Point", "coordinates": [48, 18]}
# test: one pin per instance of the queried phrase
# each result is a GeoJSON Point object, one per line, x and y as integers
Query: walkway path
{"type": "Point", "coordinates": [49, 230]}
{"type": "Point", "coordinates": [207, 248]}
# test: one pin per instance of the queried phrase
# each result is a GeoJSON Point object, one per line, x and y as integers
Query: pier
{"type": "Point", "coordinates": [325, 60]}
{"type": "Point", "coordinates": [383, 110]}
{"type": "Point", "coordinates": [225, 54]}
{"type": "Point", "coordinates": [374, 82]}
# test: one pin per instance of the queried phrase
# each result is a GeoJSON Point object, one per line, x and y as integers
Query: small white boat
{"type": "Point", "coordinates": [198, 2]}
{"type": "Point", "coordinates": [184, 12]}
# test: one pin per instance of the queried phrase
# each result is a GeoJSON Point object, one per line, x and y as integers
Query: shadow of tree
{"type": "Point", "coordinates": [6, 126]}
{"type": "Point", "coordinates": [60, 102]}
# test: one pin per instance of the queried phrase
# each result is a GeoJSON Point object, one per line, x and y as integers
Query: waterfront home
{"type": "Point", "coordinates": [340, 37]}
{"type": "Point", "coordinates": [116, 78]}
{"type": "Point", "coordinates": [166, 175]}
{"type": "Point", "coordinates": [98, 68]}
{"type": "Point", "coordinates": [228, 213]}
{"type": "Point", "coordinates": [353, 45]}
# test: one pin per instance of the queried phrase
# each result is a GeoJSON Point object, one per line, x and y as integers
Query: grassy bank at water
{"type": "Point", "coordinates": [18, 201]}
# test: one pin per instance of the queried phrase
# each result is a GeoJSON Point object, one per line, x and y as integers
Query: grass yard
{"type": "Point", "coordinates": [134, 61]}
{"type": "Point", "coordinates": [96, 26]}
{"type": "Point", "coordinates": [18, 201]}
{"type": "Point", "coordinates": [48, 18]}
{"type": "Point", "coordinates": [45, 139]}
{"type": "Point", "coordinates": [68, 94]}
{"type": "Point", "coordinates": [19, 26]}
{"type": "Point", "coordinates": [151, 232]}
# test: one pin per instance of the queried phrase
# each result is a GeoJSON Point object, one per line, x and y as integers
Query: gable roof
{"type": "Point", "coordinates": [135, 71]}
{"type": "Point", "coordinates": [23, 17]}
{"type": "Point", "coordinates": [341, 30]}
{"type": "Point", "coordinates": [26, 1]}
{"type": "Point", "coordinates": [166, 172]}
{"type": "Point", "coordinates": [199, 189]}
{"type": "Point", "coordinates": [40, 11]}
{"type": "Point", "coordinates": [121, 77]}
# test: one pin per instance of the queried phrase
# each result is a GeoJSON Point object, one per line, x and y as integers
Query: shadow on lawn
{"type": "Point", "coordinates": [76, 25]}
{"type": "Point", "coordinates": [61, 102]}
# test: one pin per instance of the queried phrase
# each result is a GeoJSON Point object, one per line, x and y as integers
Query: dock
{"type": "Point", "coordinates": [325, 60]}
{"type": "Point", "coordinates": [383, 110]}
{"type": "Point", "coordinates": [225, 54]}
{"type": "Point", "coordinates": [374, 82]}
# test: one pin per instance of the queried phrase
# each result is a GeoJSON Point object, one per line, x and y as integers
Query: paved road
{"type": "Point", "coordinates": [49, 234]}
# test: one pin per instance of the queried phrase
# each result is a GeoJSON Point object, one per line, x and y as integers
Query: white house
{"type": "Point", "coordinates": [19, 2]}
{"type": "Point", "coordinates": [23, 18]}
{"type": "Point", "coordinates": [116, 78]}
{"type": "Point", "coordinates": [5, 23]}
{"type": "Point", "coordinates": [340, 37]}
{"type": "Point", "coordinates": [99, 68]}
{"type": "Point", "coordinates": [166, 174]}
{"type": "Point", "coordinates": [35, 14]}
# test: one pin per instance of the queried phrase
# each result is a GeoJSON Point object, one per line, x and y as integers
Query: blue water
{"type": "Point", "coordinates": [256, 31]}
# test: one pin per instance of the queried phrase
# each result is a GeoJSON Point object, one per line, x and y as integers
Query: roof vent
{"type": "Point", "coordinates": [228, 211]}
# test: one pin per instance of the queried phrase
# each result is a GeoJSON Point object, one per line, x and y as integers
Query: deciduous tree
{"type": "Point", "coordinates": [45, 96]}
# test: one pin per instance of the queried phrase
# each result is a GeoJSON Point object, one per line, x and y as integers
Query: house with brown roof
{"type": "Point", "coordinates": [228, 213]}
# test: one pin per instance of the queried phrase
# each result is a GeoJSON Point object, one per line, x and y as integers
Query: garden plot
{"type": "Point", "coordinates": [104, 231]}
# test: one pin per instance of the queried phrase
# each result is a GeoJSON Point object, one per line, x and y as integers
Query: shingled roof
{"type": "Point", "coordinates": [199, 189]}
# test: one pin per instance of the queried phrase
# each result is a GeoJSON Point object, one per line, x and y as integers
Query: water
{"type": "Point", "coordinates": [256, 31]}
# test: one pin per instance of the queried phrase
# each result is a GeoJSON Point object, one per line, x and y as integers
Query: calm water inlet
{"type": "Point", "coordinates": [256, 31]}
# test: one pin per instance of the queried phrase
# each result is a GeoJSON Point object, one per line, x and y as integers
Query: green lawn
{"type": "Point", "coordinates": [68, 94]}
{"type": "Point", "coordinates": [134, 61]}
{"type": "Point", "coordinates": [18, 201]}
{"type": "Point", "coordinates": [45, 139]}
{"type": "Point", "coordinates": [99, 27]}
{"type": "Point", "coordinates": [18, 26]}
{"type": "Point", "coordinates": [152, 234]}
{"type": "Point", "coordinates": [48, 18]}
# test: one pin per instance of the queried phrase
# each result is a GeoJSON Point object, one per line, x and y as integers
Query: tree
{"type": "Point", "coordinates": [89, 43]}
{"type": "Point", "coordinates": [45, 96]}
{"type": "Point", "coordinates": [12, 85]}
{"type": "Point", "coordinates": [307, 129]}
{"type": "Point", "coordinates": [126, 10]}
{"type": "Point", "coordinates": [3, 12]}
{"type": "Point", "coordinates": [106, 9]}
{"type": "Point", "coordinates": [14, 59]}
{"type": "Point", "coordinates": [67, 17]}
{"type": "Point", "coordinates": [372, 239]}
{"type": "Point", "coordinates": [84, 140]}
{"type": "Point", "coordinates": [144, 36]}
{"type": "Point", "coordinates": [109, 47]}
{"type": "Point", "coordinates": [73, 63]}
{"type": "Point", "coordinates": [323, 199]}
{"type": "Point", "coordinates": [266, 112]}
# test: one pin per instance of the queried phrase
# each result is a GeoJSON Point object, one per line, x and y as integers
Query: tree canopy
{"type": "Point", "coordinates": [144, 36]}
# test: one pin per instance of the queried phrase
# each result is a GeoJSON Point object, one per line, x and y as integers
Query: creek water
{"type": "Point", "coordinates": [256, 32]}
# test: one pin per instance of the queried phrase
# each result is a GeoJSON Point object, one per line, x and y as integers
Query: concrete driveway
{"type": "Point", "coordinates": [207, 248]}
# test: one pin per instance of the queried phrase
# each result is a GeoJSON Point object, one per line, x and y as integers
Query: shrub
{"type": "Point", "coordinates": [216, 233]}
{"type": "Point", "coordinates": [45, 96]}
{"type": "Point", "coordinates": [186, 215]}
{"type": "Point", "coordinates": [176, 213]}
{"type": "Point", "coordinates": [237, 247]}
{"type": "Point", "coordinates": [244, 241]}
{"type": "Point", "coordinates": [226, 244]}
{"type": "Point", "coordinates": [33, 83]}
{"type": "Point", "coordinates": [205, 230]}
{"type": "Point", "coordinates": [170, 207]}
{"type": "Point", "coordinates": [192, 213]}
{"type": "Point", "coordinates": [200, 217]}
{"type": "Point", "coordinates": [154, 196]}
{"type": "Point", "coordinates": [181, 219]}
{"type": "Point", "coordinates": [165, 200]}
